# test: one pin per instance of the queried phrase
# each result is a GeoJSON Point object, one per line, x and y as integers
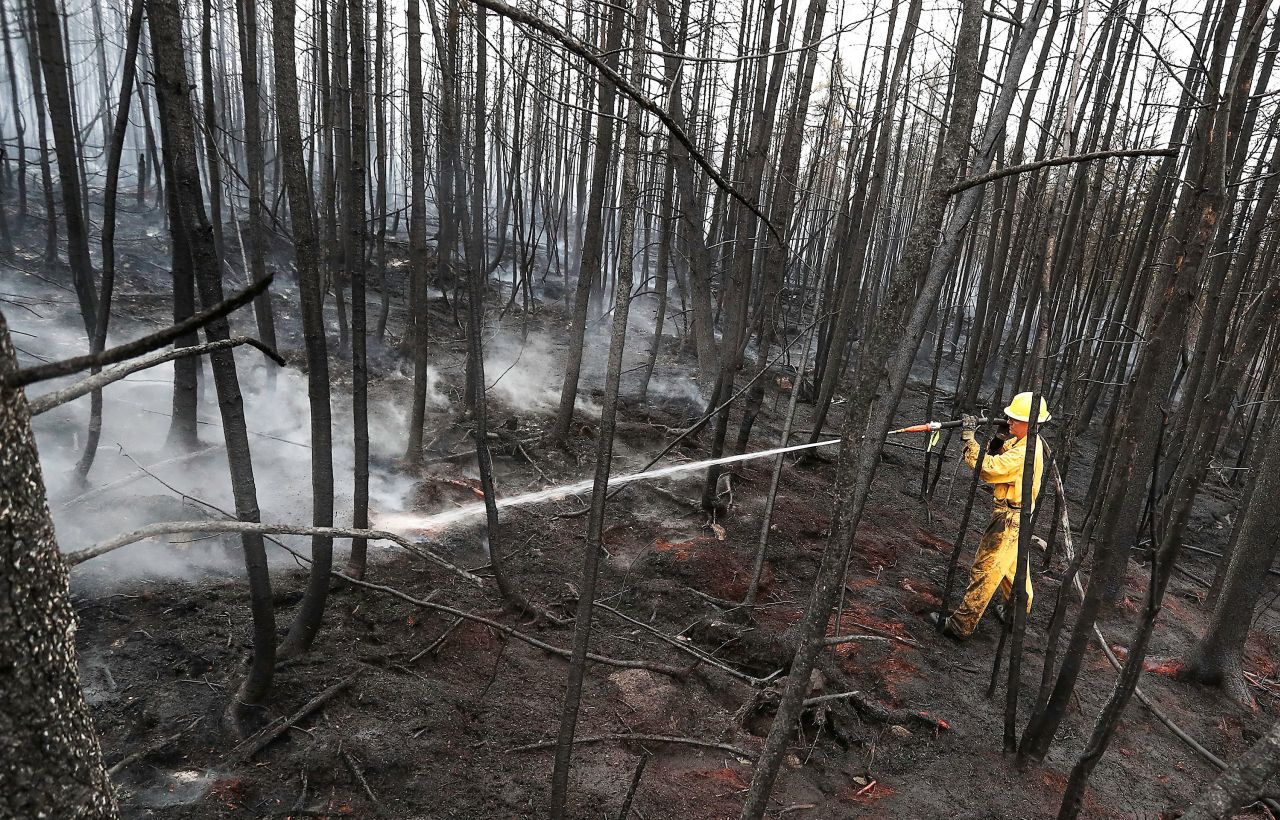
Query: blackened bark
{"type": "Point", "coordinates": [110, 195]}
{"type": "Point", "coordinates": [356, 274]}
{"type": "Point", "coordinates": [255, 235]}
{"type": "Point", "coordinates": [50, 760]}
{"type": "Point", "coordinates": [176, 110]}
{"type": "Point", "coordinates": [604, 441]}
{"type": "Point", "coordinates": [311, 293]}
{"type": "Point", "coordinates": [53, 63]}
{"type": "Point", "coordinates": [589, 263]}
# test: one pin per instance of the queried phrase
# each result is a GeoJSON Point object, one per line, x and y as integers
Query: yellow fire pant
{"type": "Point", "coordinates": [993, 568]}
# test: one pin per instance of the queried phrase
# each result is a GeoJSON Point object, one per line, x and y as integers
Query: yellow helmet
{"type": "Point", "coordinates": [1020, 408]}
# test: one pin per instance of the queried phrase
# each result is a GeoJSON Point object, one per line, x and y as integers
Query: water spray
{"type": "Point", "coordinates": [416, 522]}
{"type": "Point", "coordinates": [421, 524]}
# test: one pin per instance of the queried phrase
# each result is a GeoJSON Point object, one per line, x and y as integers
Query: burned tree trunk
{"type": "Point", "coordinates": [1241, 783]}
{"type": "Point", "coordinates": [114, 147]}
{"type": "Point", "coordinates": [1216, 659]}
{"type": "Point", "coordinates": [176, 110]}
{"type": "Point", "coordinates": [593, 239]}
{"type": "Point", "coordinates": [604, 442]}
{"type": "Point", "coordinates": [355, 229]}
{"type": "Point", "coordinates": [53, 61]}
{"type": "Point", "coordinates": [50, 761]}
{"type": "Point", "coordinates": [306, 252]}
{"type": "Point", "coordinates": [255, 176]}
{"type": "Point", "coordinates": [418, 327]}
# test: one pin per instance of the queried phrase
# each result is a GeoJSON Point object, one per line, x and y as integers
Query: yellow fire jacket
{"type": "Point", "coordinates": [1004, 470]}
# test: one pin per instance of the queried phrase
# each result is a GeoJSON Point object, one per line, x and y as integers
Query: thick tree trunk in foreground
{"type": "Point", "coordinates": [50, 761]}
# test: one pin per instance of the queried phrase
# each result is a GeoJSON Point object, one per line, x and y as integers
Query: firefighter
{"type": "Point", "coordinates": [997, 559]}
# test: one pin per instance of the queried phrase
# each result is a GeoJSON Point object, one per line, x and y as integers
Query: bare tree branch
{"type": "Point", "coordinates": [584, 51]}
{"type": "Point", "coordinates": [1026, 167]}
{"type": "Point", "coordinates": [48, 401]}
{"type": "Point", "coordinates": [171, 527]}
{"type": "Point", "coordinates": [138, 347]}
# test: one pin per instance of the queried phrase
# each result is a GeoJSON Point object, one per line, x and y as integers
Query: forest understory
{"type": "Point", "coordinates": [438, 717]}
{"type": "Point", "coordinates": [484, 409]}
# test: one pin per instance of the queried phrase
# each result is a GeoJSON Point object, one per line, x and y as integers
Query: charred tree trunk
{"type": "Point", "coordinates": [589, 264]}
{"type": "Point", "coordinates": [355, 218]}
{"type": "Point", "coordinates": [255, 236]}
{"type": "Point", "coordinates": [114, 147]}
{"type": "Point", "coordinates": [176, 110]}
{"type": "Point", "coordinates": [311, 290]}
{"type": "Point", "coordinates": [604, 442]}
{"type": "Point", "coordinates": [57, 79]}
{"type": "Point", "coordinates": [418, 325]}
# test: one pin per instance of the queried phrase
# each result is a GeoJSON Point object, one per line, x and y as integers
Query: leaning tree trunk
{"type": "Point", "coordinates": [176, 110]}
{"type": "Point", "coordinates": [1241, 783]}
{"type": "Point", "coordinates": [604, 441]}
{"type": "Point", "coordinates": [50, 761]}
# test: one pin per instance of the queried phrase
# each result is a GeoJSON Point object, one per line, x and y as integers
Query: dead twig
{"type": "Point", "coordinates": [252, 745]}
{"type": "Point", "coordinates": [684, 647]}
{"type": "Point", "coordinates": [358, 775]}
{"type": "Point", "coordinates": [155, 746]}
{"type": "Point", "coordinates": [681, 741]}
{"type": "Point", "coordinates": [837, 640]}
{"type": "Point", "coordinates": [645, 756]}
{"type": "Point", "coordinates": [171, 527]}
{"type": "Point", "coordinates": [874, 711]}
{"type": "Point", "coordinates": [457, 622]}
{"type": "Point", "coordinates": [663, 669]}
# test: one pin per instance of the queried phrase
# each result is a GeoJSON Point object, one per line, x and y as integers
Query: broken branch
{"type": "Point", "coordinates": [251, 746]}
{"type": "Point", "coordinates": [990, 176]}
{"type": "Point", "coordinates": [48, 401]}
{"type": "Point", "coordinates": [171, 527]}
{"type": "Point", "coordinates": [138, 347]}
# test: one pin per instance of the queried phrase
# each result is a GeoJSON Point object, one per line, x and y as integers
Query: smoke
{"type": "Point", "coordinates": [525, 375]}
{"type": "Point", "coordinates": [138, 479]}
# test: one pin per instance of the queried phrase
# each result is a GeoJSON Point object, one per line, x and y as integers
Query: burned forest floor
{"type": "Point", "coordinates": [434, 716]}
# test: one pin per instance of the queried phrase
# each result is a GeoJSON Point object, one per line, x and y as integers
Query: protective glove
{"type": "Point", "coordinates": [968, 426]}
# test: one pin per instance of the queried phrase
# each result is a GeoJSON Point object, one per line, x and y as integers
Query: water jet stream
{"type": "Point", "coordinates": [418, 523]}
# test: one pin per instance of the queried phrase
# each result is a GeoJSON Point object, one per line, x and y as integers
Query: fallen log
{"type": "Point", "coordinates": [683, 741]}
{"type": "Point", "coordinates": [256, 743]}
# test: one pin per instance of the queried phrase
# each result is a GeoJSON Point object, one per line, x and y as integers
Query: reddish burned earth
{"type": "Point", "coordinates": [422, 714]}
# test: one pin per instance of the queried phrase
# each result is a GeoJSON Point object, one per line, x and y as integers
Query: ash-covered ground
{"type": "Point", "coordinates": [449, 719]}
